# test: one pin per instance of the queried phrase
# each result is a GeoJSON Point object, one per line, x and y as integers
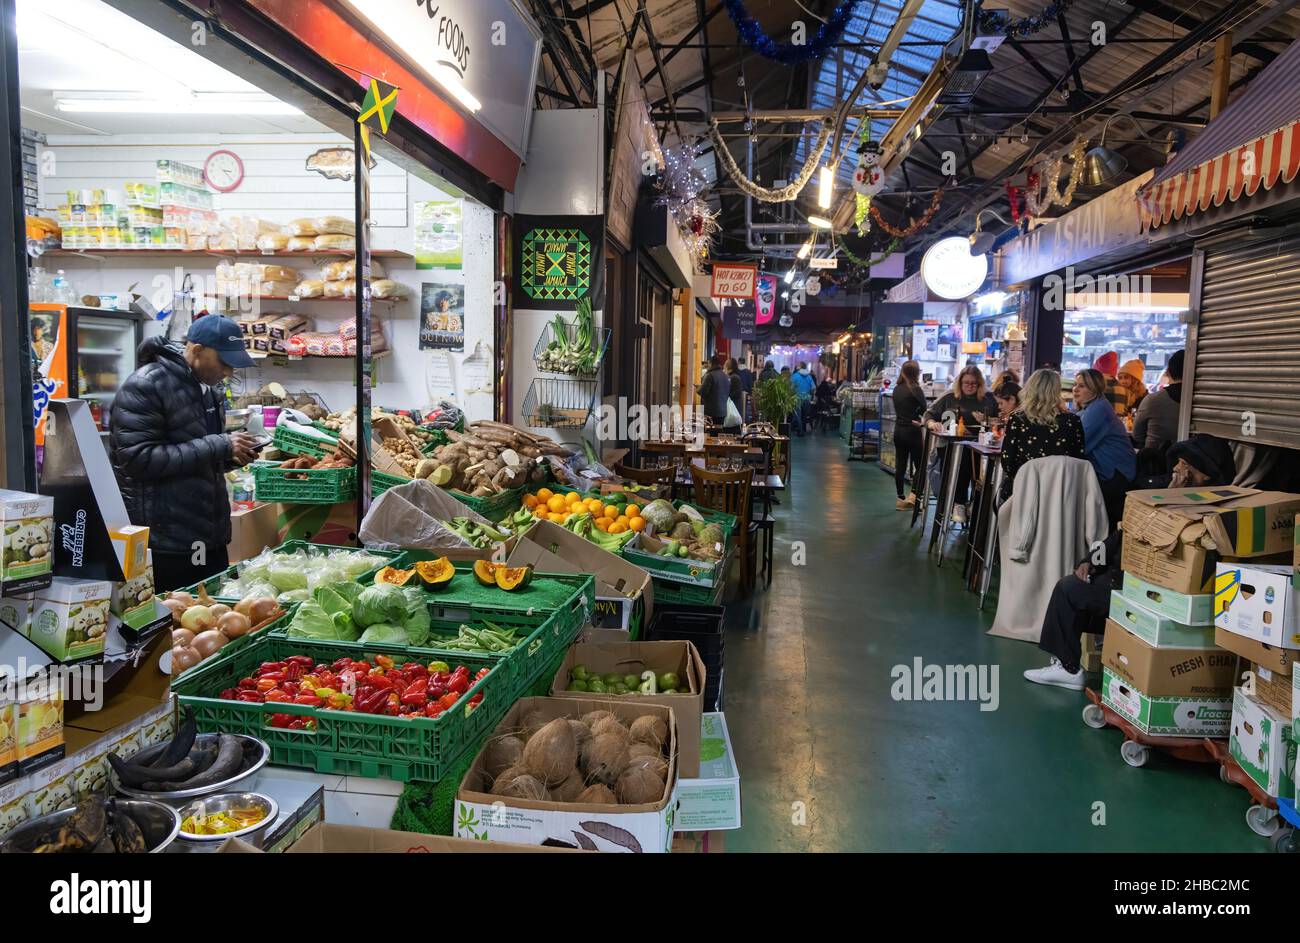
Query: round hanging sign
{"type": "Point", "coordinates": [950, 271]}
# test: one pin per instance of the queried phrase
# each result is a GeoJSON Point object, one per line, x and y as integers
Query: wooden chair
{"type": "Point", "coordinates": [764, 522]}
{"type": "Point", "coordinates": [662, 477]}
{"type": "Point", "coordinates": [729, 492]}
{"type": "Point", "coordinates": [663, 454]}
{"type": "Point", "coordinates": [721, 456]}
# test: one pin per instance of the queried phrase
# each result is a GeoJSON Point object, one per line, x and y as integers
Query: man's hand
{"type": "Point", "coordinates": [241, 447]}
{"type": "Point", "coordinates": [1084, 571]}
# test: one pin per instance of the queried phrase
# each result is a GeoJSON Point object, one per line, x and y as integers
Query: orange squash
{"type": "Point", "coordinates": [485, 570]}
{"type": "Point", "coordinates": [394, 576]}
{"type": "Point", "coordinates": [511, 578]}
{"type": "Point", "coordinates": [435, 574]}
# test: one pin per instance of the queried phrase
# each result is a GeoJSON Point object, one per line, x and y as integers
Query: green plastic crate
{"type": "Point", "coordinates": [321, 486]}
{"type": "Point", "coordinates": [213, 583]}
{"type": "Point", "coordinates": [345, 742]}
{"type": "Point", "coordinates": [688, 594]}
{"type": "Point", "coordinates": [495, 507]}
{"type": "Point", "coordinates": [382, 481]}
{"type": "Point", "coordinates": [299, 443]}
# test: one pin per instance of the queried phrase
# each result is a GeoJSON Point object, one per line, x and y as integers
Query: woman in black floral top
{"type": "Point", "coordinates": [1038, 428]}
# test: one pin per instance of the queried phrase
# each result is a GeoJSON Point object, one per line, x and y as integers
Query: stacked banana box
{"type": "Point", "coordinates": [1169, 662]}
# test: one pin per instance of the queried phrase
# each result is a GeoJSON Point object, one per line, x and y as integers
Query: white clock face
{"type": "Point", "coordinates": [224, 171]}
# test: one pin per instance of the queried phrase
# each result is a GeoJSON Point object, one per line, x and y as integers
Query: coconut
{"type": "Point", "coordinates": [605, 758]}
{"type": "Point", "coordinates": [612, 726]}
{"type": "Point", "coordinates": [570, 789]}
{"type": "Point", "coordinates": [502, 753]}
{"type": "Point", "coordinates": [532, 722]}
{"type": "Point", "coordinates": [581, 733]}
{"type": "Point", "coordinates": [591, 717]}
{"type": "Point", "coordinates": [651, 730]}
{"type": "Point", "coordinates": [639, 749]}
{"type": "Point", "coordinates": [551, 753]}
{"type": "Point", "coordinates": [656, 764]}
{"type": "Point", "coordinates": [599, 794]}
{"type": "Point", "coordinates": [523, 786]}
{"type": "Point", "coordinates": [503, 780]}
{"type": "Point", "coordinates": [638, 785]}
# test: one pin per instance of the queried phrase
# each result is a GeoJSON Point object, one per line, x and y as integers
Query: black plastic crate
{"type": "Point", "coordinates": [699, 624]}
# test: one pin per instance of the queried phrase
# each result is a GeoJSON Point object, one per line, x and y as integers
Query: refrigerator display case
{"type": "Point", "coordinates": [80, 353]}
{"type": "Point", "coordinates": [1151, 336]}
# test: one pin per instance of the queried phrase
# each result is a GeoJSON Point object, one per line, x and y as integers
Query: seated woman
{"type": "Point", "coordinates": [1081, 600]}
{"type": "Point", "coordinates": [1007, 397]}
{"type": "Point", "coordinates": [1038, 428]}
{"type": "Point", "coordinates": [970, 400]}
{"type": "Point", "coordinates": [1105, 441]}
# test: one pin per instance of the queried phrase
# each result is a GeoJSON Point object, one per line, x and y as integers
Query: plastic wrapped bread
{"type": "Point", "coordinates": [302, 243]}
{"type": "Point", "coordinates": [335, 270]}
{"type": "Point", "coordinates": [341, 288]}
{"type": "Point", "coordinates": [334, 225]}
{"type": "Point", "coordinates": [310, 288]}
{"type": "Point", "coordinates": [387, 288]}
{"type": "Point", "coordinates": [301, 227]}
{"type": "Point", "coordinates": [273, 242]}
{"type": "Point", "coordinates": [332, 242]}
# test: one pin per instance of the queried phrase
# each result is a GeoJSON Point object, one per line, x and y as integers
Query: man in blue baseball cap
{"type": "Point", "coordinates": [171, 452]}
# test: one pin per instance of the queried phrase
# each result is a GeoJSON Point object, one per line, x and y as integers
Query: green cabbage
{"type": "Point", "coordinates": [354, 562]}
{"type": "Point", "coordinates": [385, 633]}
{"type": "Point", "coordinates": [380, 603]}
{"type": "Point", "coordinates": [417, 615]}
{"type": "Point", "coordinates": [313, 622]}
{"type": "Point", "coordinates": [337, 597]}
{"type": "Point", "coordinates": [660, 513]}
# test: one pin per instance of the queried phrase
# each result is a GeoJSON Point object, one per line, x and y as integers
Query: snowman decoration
{"type": "Point", "coordinates": [867, 177]}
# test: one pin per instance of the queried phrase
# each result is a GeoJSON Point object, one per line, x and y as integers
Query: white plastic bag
{"type": "Point", "coordinates": [410, 516]}
{"type": "Point", "coordinates": [733, 416]}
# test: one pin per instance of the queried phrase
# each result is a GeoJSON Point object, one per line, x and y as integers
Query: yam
{"type": "Point", "coordinates": [651, 730]}
{"type": "Point", "coordinates": [597, 794]}
{"type": "Point", "coordinates": [604, 758]}
{"type": "Point", "coordinates": [426, 467]}
{"type": "Point", "coordinates": [502, 753]}
{"type": "Point", "coordinates": [637, 785]}
{"type": "Point", "coordinates": [551, 754]}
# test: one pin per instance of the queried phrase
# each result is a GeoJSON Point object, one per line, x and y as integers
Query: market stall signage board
{"type": "Point", "coordinates": [556, 264]}
{"type": "Point", "coordinates": [485, 53]}
{"type": "Point", "coordinates": [766, 299]}
{"type": "Point", "coordinates": [738, 320]}
{"type": "Point", "coordinates": [823, 263]}
{"type": "Point", "coordinates": [735, 281]}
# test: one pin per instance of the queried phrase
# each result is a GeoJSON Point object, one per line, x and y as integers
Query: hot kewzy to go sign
{"type": "Point", "coordinates": [734, 281]}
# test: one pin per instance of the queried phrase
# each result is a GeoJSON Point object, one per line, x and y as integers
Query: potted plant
{"type": "Point", "coordinates": [775, 400]}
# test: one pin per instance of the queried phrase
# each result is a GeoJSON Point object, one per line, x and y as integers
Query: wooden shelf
{"type": "Point", "coordinates": [223, 253]}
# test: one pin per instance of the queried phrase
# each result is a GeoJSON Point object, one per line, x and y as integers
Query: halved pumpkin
{"type": "Point", "coordinates": [394, 576]}
{"type": "Point", "coordinates": [511, 578]}
{"type": "Point", "coordinates": [435, 574]}
{"type": "Point", "coordinates": [486, 570]}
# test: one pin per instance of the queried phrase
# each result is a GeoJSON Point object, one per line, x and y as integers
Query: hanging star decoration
{"type": "Point", "coordinates": [752, 34]}
{"type": "Point", "coordinates": [682, 187]}
{"type": "Point", "coordinates": [916, 225]}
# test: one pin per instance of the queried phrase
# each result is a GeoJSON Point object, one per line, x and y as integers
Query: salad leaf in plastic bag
{"type": "Point", "coordinates": [293, 595]}
{"type": "Point", "coordinates": [287, 573]}
{"type": "Point", "coordinates": [385, 632]}
{"type": "Point", "coordinates": [380, 603]}
{"type": "Point", "coordinates": [417, 615]}
{"type": "Point", "coordinates": [313, 622]}
{"type": "Point", "coordinates": [353, 562]}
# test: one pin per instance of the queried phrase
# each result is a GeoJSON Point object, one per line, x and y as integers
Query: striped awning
{"type": "Point", "coordinates": [1253, 143]}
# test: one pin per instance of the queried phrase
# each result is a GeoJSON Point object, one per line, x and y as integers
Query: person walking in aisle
{"type": "Point", "coordinates": [714, 391]}
{"type": "Point", "coordinates": [768, 372]}
{"type": "Point", "coordinates": [170, 451]}
{"type": "Point", "coordinates": [1080, 601]}
{"type": "Point", "coordinates": [1038, 428]}
{"type": "Point", "coordinates": [970, 401]}
{"type": "Point", "coordinates": [804, 388]}
{"type": "Point", "coordinates": [1105, 441]}
{"type": "Point", "coordinates": [736, 393]}
{"type": "Point", "coordinates": [909, 409]}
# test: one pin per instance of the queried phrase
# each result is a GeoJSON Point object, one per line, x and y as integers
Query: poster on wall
{"type": "Point", "coordinates": [438, 234]}
{"type": "Point", "coordinates": [560, 261]}
{"type": "Point", "coordinates": [925, 342]}
{"type": "Point", "coordinates": [442, 316]}
{"type": "Point", "coordinates": [49, 345]}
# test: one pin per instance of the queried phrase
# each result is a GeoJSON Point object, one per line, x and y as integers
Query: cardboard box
{"type": "Point", "coordinates": [1157, 630]}
{"type": "Point", "coordinates": [133, 599]}
{"type": "Point", "coordinates": [1178, 672]}
{"type": "Point", "coordinates": [680, 658]}
{"type": "Point", "coordinates": [1173, 538]}
{"type": "Point", "coordinates": [711, 800]}
{"type": "Point", "coordinates": [1090, 652]}
{"type": "Point", "coordinates": [1184, 608]}
{"type": "Point", "coordinates": [1258, 743]}
{"type": "Point", "coordinates": [1276, 660]}
{"type": "Point", "coordinates": [1164, 715]}
{"type": "Point", "coordinates": [40, 729]}
{"type": "Point", "coordinates": [551, 548]}
{"type": "Point", "coordinates": [70, 618]}
{"type": "Point", "coordinates": [252, 530]}
{"type": "Point", "coordinates": [16, 612]}
{"type": "Point", "coordinates": [131, 543]}
{"type": "Point", "coordinates": [8, 740]}
{"type": "Point", "coordinates": [1257, 602]}
{"type": "Point", "coordinates": [1271, 687]}
{"type": "Point", "coordinates": [27, 554]}
{"type": "Point", "coordinates": [13, 804]}
{"type": "Point", "coordinates": [646, 828]}
{"type": "Point", "coordinates": [328, 838]}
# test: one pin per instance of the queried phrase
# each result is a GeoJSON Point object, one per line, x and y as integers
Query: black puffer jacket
{"type": "Point", "coordinates": [170, 452]}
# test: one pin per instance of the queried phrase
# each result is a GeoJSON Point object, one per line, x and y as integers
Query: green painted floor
{"type": "Point", "coordinates": [829, 761]}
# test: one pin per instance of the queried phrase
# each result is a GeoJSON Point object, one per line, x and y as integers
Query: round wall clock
{"type": "Point", "coordinates": [223, 171]}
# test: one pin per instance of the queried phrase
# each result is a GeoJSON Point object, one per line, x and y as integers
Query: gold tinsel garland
{"type": "Point", "coordinates": [916, 225]}
{"type": "Point", "coordinates": [1050, 175]}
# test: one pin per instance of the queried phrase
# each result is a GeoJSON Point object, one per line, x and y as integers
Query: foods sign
{"type": "Point", "coordinates": [484, 53]}
{"type": "Point", "coordinates": [734, 281]}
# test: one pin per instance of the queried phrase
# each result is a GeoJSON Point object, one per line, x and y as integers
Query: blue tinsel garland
{"type": "Point", "coordinates": [787, 53]}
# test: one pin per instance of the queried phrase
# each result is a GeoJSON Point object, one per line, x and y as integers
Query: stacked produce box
{"type": "Point", "coordinates": [1163, 668]}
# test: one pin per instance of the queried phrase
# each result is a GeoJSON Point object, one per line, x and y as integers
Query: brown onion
{"type": "Point", "coordinates": [209, 643]}
{"type": "Point", "coordinates": [183, 597]}
{"type": "Point", "coordinates": [234, 624]}
{"type": "Point", "coordinates": [177, 609]}
{"type": "Point", "coordinates": [182, 637]}
{"type": "Point", "coordinates": [219, 609]}
{"type": "Point", "coordinates": [184, 657]}
{"type": "Point", "coordinates": [262, 609]}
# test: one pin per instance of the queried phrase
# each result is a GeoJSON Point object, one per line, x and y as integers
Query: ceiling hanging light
{"type": "Point", "coordinates": [805, 249]}
{"type": "Point", "coordinates": [825, 187]}
{"type": "Point", "coordinates": [1100, 163]}
{"type": "Point", "coordinates": [820, 222]}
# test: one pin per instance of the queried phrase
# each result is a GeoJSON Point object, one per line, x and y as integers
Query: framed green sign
{"type": "Point", "coordinates": [559, 260]}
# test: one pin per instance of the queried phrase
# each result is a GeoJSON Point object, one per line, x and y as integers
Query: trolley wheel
{"type": "Point", "coordinates": [1285, 842]}
{"type": "Point", "coordinates": [1094, 716]}
{"type": "Point", "coordinates": [1263, 821]}
{"type": "Point", "coordinates": [1134, 753]}
{"type": "Point", "coordinates": [1223, 775]}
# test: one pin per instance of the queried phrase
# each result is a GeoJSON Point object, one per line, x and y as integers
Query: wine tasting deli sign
{"type": "Point", "coordinates": [489, 48]}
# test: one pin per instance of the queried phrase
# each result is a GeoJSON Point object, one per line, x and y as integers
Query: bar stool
{"type": "Point", "coordinates": [922, 506]}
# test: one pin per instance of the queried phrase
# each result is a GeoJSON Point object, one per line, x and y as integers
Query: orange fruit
{"type": "Point", "coordinates": [544, 494]}
{"type": "Point", "coordinates": [556, 503]}
{"type": "Point", "coordinates": [602, 523]}
{"type": "Point", "coordinates": [610, 511]}
{"type": "Point", "coordinates": [618, 527]}
{"type": "Point", "coordinates": [540, 513]}
{"type": "Point", "coordinates": [572, 498]}
{"type": "Point", "coordinates": [593, 505]}
{"type": "Point", "coordinates": [636, 523]}
{"type": "Point", "coordinates": [530, 501]}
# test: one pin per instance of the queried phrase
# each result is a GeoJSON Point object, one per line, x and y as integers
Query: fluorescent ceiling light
{"type": "Point", "coordinates": [176, 106]}
{"type": "Point", "coordinates": [1136, 308]}
{"type": "Point", "coordinates": [805, 249]}
{"type": "Point", "coordinates": [449, 80]}
{"type": "Point", "coordinates": [825, 186]}
{"type": "Point", "coordinates": [819, 222]}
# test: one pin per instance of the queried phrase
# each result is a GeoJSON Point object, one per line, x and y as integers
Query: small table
{"type": "Point", "coordinates": [982, 542]}
{"type": "Point", "coordinates": [947, 487]}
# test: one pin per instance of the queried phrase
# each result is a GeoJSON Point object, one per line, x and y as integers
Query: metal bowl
{"type": "Point", "coordinates": [159, 822]}
{"type": "Point", "coordinates": [237, 419]}
{"type": "Point", "coordinates": [256, 755]}
{"type": "Point", "coordinates": [224, 802]}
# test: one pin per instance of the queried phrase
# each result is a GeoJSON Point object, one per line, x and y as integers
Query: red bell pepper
{"type": "Point", "coordinates": [229, 694]}
{"type": "Point", "coordinates": [341, 664]}
{"type": "Point", "coordinates": [311, 700]}
{"type": "Point", "coordinates": [266, 684]}
{"type": "Point", "coordinates": [459, 683]}
{"type": "Point", "coordinates": [449, 700]}
{"type": "Point", "coordinates": [303, 660]}
{"type": "Point", "coordinates": [293, 672]}
{"type": "Point", "coordinates": [268, 666]}
{"type": "Point", "coordinates": [275, 695]}
{"type": "Point", "coordinates": [416, 693]}
{"type": "Point", "coordinates": [247, 684]}
{"type": "Point", "coordinates": [383, 661]}
{"type": "Point", "coordinates": [436, 690]}
{"type": "Point", "coordinates": [434, 709]}
{"type": "Point", "coordinates": [281, 720]}
{"type": "Point", "coordinates": [252, 697]}
{"type": "Point", "coordinates": [370, 701]}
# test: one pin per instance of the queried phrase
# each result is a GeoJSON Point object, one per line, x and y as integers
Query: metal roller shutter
{"type": "Point", "coordinates": [1247, 354]}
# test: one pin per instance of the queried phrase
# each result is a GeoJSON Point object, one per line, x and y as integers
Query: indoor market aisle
{"type": "Point", "coordinates": [820, 740]}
